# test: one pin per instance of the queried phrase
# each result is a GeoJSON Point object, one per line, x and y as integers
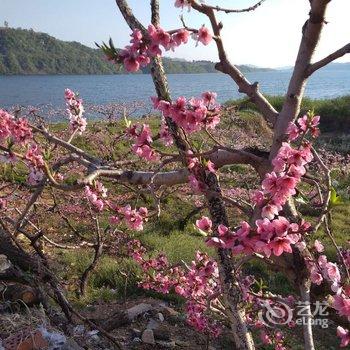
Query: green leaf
{"type": "Point", "coordinates": [301, 199]}
{"type": "Point", "coordinates": [201, 232]}
{"type": "Point", "coordinates": [126, 120]}
{"type": "Point", "coordinates": [335, 199]}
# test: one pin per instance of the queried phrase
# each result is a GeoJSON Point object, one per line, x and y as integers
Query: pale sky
{"type": "Point", "coordinates": [267, 37]}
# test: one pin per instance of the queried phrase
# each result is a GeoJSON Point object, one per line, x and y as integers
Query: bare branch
{"type": "Point", "coordinates": [226, 10]}
{"type": "Point", "coordinates": [50, 137]}
{"type": "Point", "coordinates": [330, 58]}
{"type": "Point", "coordinates": [128, 15]}
{"type": "Point", "coordinates": [225, 66]}
{"type": "Point", "coordinates": [220, 158]}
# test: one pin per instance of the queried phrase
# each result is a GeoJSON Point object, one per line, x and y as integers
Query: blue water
{"type": "Point", "coordinates": [102, 89]}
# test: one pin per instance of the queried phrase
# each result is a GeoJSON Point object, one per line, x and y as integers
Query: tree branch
{"type": "Point", "coordinates": [226, 10]}
{"type": "Point", "coordinates": [170, 178]}
{"type": "Point", "coordinates": [330, 58]}
{"type": "Point", "coordinates": [226, 67]}
{"type": "Point", "coordinates": [311, 35]}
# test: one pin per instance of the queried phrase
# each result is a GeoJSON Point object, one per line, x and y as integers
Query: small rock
{"type": "Point", "coordinates": [136, 332]}
{"type": "Point", "coordinates": [162, 333]}
{"type": "Point", "coordinates": [79, 329]}
{"type": "Point", "coordinates": [168, 311]}
{"type": "Point", "coordinates": [91, 308]}
{"type": "Point", "coordinates": [95, 338]}
{"type": "Point", "coordinates": [138, 310]}
{"type": "Point", "coordinates": [166, 344]}
{"type": "Point", "coordinates": [93, 332]}
{"type": "Point", "coordinates": [182, 343]}
{"type": "Point", "coordinates": [4, 263]}
{"type": "Point", "coordinates": [148, 336]}
{"type": "Point", "coordinates": [160, 317]}
{"type": "Point", "coordinates": [137, 340]}
{"type": "Point", "coordinates": [152, 324]}
{"type": "Point", "coordinates": [71, 344]}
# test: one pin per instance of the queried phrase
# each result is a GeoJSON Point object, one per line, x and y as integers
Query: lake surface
{"type": "Point", "coordinates": [102, 89]}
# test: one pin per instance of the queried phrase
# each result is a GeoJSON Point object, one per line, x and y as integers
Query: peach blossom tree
{"type": "Point", "coordinates": [218, 290]}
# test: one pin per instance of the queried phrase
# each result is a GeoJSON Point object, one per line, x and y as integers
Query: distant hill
{"type": "Point", "coordinates": [331, 66]}
{"type": "Point", "coordinates": [27, 52]}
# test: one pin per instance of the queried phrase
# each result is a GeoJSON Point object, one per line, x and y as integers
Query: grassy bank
{"type": "Point", "coordinates": [176, 237]}
{"type": "Point", "coordinates": [335, 112]}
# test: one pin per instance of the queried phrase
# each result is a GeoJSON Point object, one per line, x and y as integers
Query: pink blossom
{"type": "Point", "coordinates": [211, 166]}
{"type": "Point", "coordinates": [34, 156]}
{"type": "Point", "coordinates": [192, 115]}
{"type": "Point", "coordinates": [280, 245]}
{"type": "Point", "coordinates": [265, 338]}
{"type": "Point", "coordinates": [344, 336]}
{"type": "Point", "coordinates": [165, 135]}
{"type": "Point", "coordinates": [75, 111]}
{"type": "Point", "coordinates": [270, 211]}
{"type": "Point", "coordinates": [181, 37]}
{"type": "Point", "coordinates": [204, 35]}
{"type": "Point", "coordinates": [3, 203]}
{"type": "Point", "coordinates": [332, 272]}
{"type": "Point", "coordinates": [204, 224]}
{"type": "Point", "coordinates": [342, 305]}
{"type": "Point", "coordinates": [293, 132]}
{"type": "Point", "coordinates": [131, 64]}
{"type": "Point", "coordinates": [134, 218]}
{"type": "Point", "coordinates": [318, 246]}
{"type": "Point", "coordinates": [316, 277]}
{"type": "Point", "coordinates": [182, 3]}
{"type": "Point", "coordinates": [5, 124]}
{"type": "Point", "coordinates": [209, 97]}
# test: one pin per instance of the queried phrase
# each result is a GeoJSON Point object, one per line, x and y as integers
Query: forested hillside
{"type": "Point", "coordinates": [28, 52]}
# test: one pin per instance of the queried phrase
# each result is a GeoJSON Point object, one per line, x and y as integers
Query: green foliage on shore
{"type": "Point", "coordinates": [334, 112]}
{"type": "Point", "coordinates": [28, 52]}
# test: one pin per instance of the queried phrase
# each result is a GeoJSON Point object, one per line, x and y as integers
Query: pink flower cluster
{"type": "Point", "coordinates": [75, 111]}
{"type": "Point", "coordinates": [193, 114]}
{"type": "Point", "coordinates": [344, 336]}
{"type": "Point", "coordinates": [276, 339]}
{"type": "Point", "coordinates": [134, 218]}
{"type": "Point", "coordinates": [143, 47]}
{"type": "Point", "coordinates": [14, 130]}
{"type": "Point", "coordinates": [18, 131]}
{"type": "Point", "coordinates": [279, 185]}
{"type": "Point", "coordinates": [35, 163]}
{"type": "Point", "coordinates": [165, 135]}
{"type": "Point", "coordinates": [143, 140]}
{"type": "Point", "coordinates": [183, 3]}
{"type": "Point", "coordinates": [273, 234]}
{"type": "Point", "coordinates": [269, 237]}
{"type": "Point", "coordinates": [96, 195]}
{"type": "Point", "coordinates": [321, 269]}
{"type": "Point", "coordinates": [198, 284]}
{"type": "Point", "coordinates": [195, 168]}
{"type": "Point", "coordinates": [3, 203]}
{"type": "Point", "coordinates": [308, 122]}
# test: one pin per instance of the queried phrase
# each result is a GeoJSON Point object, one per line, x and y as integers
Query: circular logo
{"type": "Point", "coordinates": [274, 314]}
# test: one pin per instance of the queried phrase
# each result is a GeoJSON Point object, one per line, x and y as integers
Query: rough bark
{"type": "Point", "coordinates": [307, 318]}
{"type": "Point", "coordinates": [311, 33]}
